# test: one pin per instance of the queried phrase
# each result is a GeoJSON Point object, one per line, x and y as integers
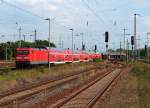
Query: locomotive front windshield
{"type": "Point", "coordinates": [22, 52]}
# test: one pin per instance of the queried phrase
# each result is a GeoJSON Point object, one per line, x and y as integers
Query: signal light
{"type": "Point", "coordinates": [95, 47]}
{"type": "Point", "coordinates": [145, 49]}
{"type": "Point", "coordinates": [106, 36]}
{"type": "Point", "coordinates": [106, 46]}
{"type": "Point", "coordinates": [83, 47]}
{"type": "Point", "coordinates": [132, 40]}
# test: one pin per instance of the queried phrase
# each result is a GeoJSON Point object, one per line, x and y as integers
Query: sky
{"type": "Point", "coordinates": [91, 17]}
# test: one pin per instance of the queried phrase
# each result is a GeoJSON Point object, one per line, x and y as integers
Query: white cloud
{"type": "Point", "coordinates": [51, 7]}
{"type": "Point", "coordinates": [142, 2]}
{"type": "Point", "coordinates": [60, 1]}
{"type": "Point", "coordinates": [37, 4]}
{"type": "Point", "coordinates": [146, 21]}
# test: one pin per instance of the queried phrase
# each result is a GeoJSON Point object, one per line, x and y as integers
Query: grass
{"type": "Point", "coordinates": [15, 77]}
{"type": "Point", "coordinates": [133, 91]}
{"type": "Point", "coordinates": [142, 72]}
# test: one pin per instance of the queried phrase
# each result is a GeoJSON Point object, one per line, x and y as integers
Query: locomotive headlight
{"type": "Point", "coordinates": [18, 57]}
{"type": "Point", "coordinates": [26, 57]}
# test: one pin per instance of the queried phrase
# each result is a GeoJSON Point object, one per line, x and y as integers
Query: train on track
{"type": "Point", "coordinates": [43, 56]}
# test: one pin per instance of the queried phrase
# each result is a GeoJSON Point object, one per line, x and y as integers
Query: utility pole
{"type": "Point", "coordinates": [135, 36]}
{"type": "Point", "coordinates": [20, 37]}
{"type": "Point", "coordinates": [35, 33]}
{"type": "Point", "coordinates": [82, 40]}
{"type": "Point", "coordinates": [72, 42]}
{"type": "Point", "coordinates": [30, 37]}
{"type": "Point", "coordinates": [6, 53]}
{"type": "Point", "coordinates": [49, 41]}
{"type": "Point", "coordinates": [124, 41]}
{"type": "Point", "coordinates": [24, 37]}
{"type": "Point", "coordinates": [62, 43]}
{"type": "Point", "coordinates": [74, 46]}
{"type": "Point", "coordinates": [6, 58]}
{"type": "Point", "coordinates": [120, 50]}
{"type": "Point", "coordinates": [138, 47]}
{"type": "Point", "coordinates": [127, 50]}
{"type": "Point", "coordinates": [148, 49]}
{"type": "Point", "coordinates": [135, 32]}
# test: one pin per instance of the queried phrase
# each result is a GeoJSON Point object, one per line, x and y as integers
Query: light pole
{"type": "Point", "coordinates": [5, 50]}
{"type": "Point", "coordinates": [127, 51]}
{"type": "Point", "coordinates": [124, 38]}
{"type": "Point", "coordinates": [30, 37]}
{"type": "Point", "coordinates": [19, 32]}
{"type": "Point", "coordinates": [24, 38]}
{"type": "Point", "coordinates": [135, 35]}
{"type": "Point", "coordinates": [49, 40]}
{"type": "Point", "coordinates": [148, 47]}
{"type": "Point", "coordinates": [19, 37]}
{"type": "Point", "coordinates": [82, 34]}
{"type": "Point", "coordinates": [72, 42]}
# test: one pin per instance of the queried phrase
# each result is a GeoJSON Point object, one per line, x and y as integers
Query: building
{"type": "Point", "coordinates": [116, 56]}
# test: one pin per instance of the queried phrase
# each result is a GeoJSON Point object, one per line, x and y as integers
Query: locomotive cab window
{"type": "Point", "coordinates": [23, 52]}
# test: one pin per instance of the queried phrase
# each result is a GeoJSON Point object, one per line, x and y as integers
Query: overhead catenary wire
{"type": "Point", "coordinates": [26, 11]}
{"type": "Point", "coordinates": [95, 14]}
{"type": "Point", "coordinates": [22, 9]}
{"type": "Point", "coordinates": [98, 17]}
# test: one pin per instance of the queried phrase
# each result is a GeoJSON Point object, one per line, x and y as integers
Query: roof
{"type": "Point", "coordinates": [116, 53]}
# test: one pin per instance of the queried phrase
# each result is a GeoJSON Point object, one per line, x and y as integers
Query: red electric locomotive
{"type": "Point", "coordinates": [31, 56]}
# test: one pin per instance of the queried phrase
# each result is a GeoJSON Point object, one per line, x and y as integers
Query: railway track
{"type": "Point", "coordinates": [15, 96]}
{"type": "Point", "coordinates": [87, 96]}
{"type": "Point", "coordinates": [7, 65]}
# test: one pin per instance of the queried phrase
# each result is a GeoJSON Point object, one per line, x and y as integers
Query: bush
{"type": "Point", "coordinates": [5, 71]}
{"type": "Point", "coordinates": [40, 69]}
{"type": "Point", "coordinates": [97, 60]}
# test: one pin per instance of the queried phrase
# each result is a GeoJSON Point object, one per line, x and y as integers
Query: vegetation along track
{"type": "Point", "coordinates": [87, 96]}
{"type": "Point", "coordinates": [14, 96]}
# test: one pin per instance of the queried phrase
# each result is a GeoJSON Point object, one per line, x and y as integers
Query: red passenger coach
{"type": "Point", "coordinates": [97, 56]}
{"type": "Point", "coordinates": [76, 56]}
{"type": "Point", "coordinates": [68, 56]}
{"type": "Point", "coordinates": [52, 56]}
{"type": "Point", "coordinates": [85, 56]}
{"type": "Point", "coordinates": [59, 56]}
{"type": "Point", "coordinates": [91, 56]}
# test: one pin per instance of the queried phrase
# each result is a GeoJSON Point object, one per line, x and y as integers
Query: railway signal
{"type": "Point", "coordinates": [132, 43]}
{"type": "Point", "coordinates": [145, 50]}
{"type": "Point", "coordinates": [95, 48]}
{"type": "Point", "coordinates": [106, 37]}
{"type": "Point", "coordinates": [132, 40]}
{"type": "Point", "coordinates": [83, 47]}
{"type": "Point", "coordinates": [106, 46]}
{"type": "Point", "coordinates": [106, 40]}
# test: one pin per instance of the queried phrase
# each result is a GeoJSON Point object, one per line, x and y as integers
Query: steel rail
{"type": "Point", "coordinates": [30, 90]}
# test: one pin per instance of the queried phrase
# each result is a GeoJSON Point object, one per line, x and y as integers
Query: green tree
{"type": "Point", "coordinates": [10, 47]}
